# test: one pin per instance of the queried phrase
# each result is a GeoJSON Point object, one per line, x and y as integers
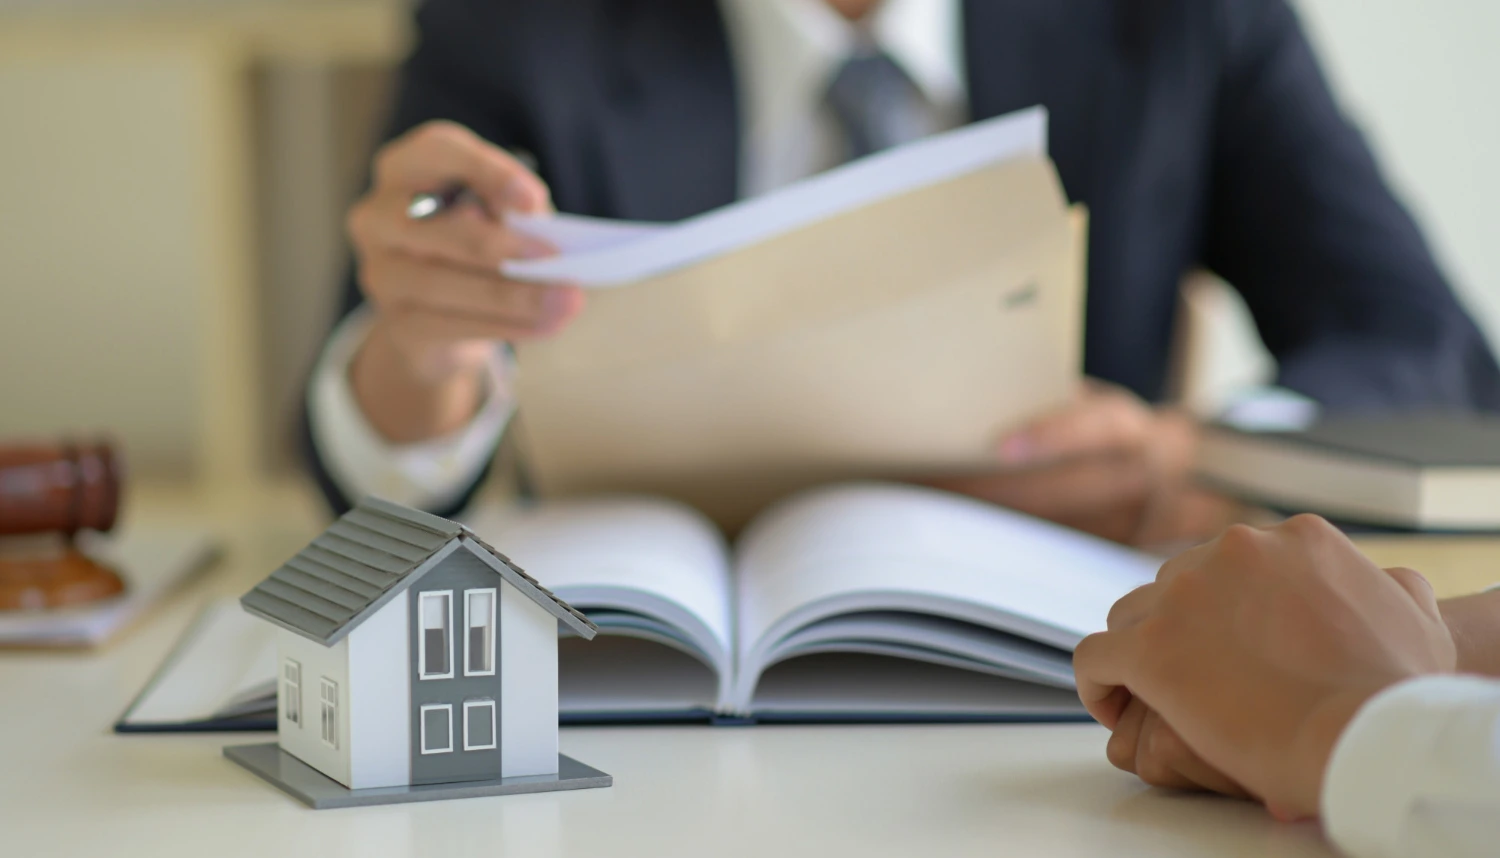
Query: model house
{"type": "Point", "coordinates": [412, 653]}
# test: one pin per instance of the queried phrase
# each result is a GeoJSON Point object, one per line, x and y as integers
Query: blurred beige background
{"type": "Point", "coordinates": [174, 173]}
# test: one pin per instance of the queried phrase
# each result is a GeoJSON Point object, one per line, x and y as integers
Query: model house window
{"type": "Point", "coordinates": [330, 723]}
{"type": "Point", "coordinates": [479, 639]}
{"type": "Point", "coordinates": [437, 728]}
{"type": "Point", "coordinates": [436, 641]}
{"type": "Point", "coordinates": [479, 725]}
{"type": "Point", "coordinates": [291, 692]}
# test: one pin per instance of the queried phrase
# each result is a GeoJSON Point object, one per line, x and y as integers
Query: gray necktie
{"type": "Point", "coordinates": [877, 104]}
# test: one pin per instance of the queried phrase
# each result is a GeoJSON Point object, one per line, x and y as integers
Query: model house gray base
{"type": "Point", "coordinates": [320, 792]}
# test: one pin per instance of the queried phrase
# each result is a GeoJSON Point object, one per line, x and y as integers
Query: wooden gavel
{"type": "Point", "coordinates": [56, 489]}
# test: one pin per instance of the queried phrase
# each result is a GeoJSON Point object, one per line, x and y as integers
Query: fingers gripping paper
{"type": "Point", "coordinates": [899, 338]}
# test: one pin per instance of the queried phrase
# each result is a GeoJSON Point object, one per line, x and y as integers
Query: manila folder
{"type": "Point", "coordinates": [900, 339]}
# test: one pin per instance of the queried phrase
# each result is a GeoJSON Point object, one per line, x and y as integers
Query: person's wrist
{"type": "Point", "coordinates": [422, 362]}
{"type": "Point", "coordinates": [1301, 783]}
{"type": "Point", "coordinates": [407, 401]}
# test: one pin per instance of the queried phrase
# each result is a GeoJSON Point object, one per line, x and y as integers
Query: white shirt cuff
{"type": "Point", "coordinates": [429, 475]}
{"type": "Point", "coordinates": [1411, 749]}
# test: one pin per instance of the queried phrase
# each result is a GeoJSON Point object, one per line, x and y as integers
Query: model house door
{"type": "Point", "coordinates": [455, 681]}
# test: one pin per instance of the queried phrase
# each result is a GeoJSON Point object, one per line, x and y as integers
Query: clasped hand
{"type": "Point", "coordinates": [1239, 668]}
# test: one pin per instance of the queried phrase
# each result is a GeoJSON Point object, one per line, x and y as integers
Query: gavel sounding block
{"type": "Point", "coordinates": [59, 579]}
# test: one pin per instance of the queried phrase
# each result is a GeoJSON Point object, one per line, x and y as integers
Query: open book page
{"type": "Point", "coordinates": [639, 567]}
{"type": "Point", "coordinates": [613, 679]}
{"type": "Point", "coordinates": [224, 668]}
{"type": "Point", "coordinates": [843, 686]}
{"type": "Point", "coordinates": [601, 257]}
{"type": "Point", "coordinates": [935, 640]}
{"type": "Point", "coordinates": [1018, 588]}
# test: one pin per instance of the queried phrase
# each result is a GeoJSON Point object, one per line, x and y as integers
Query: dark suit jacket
{"type": "Point", "coordinates": [1198, 132]}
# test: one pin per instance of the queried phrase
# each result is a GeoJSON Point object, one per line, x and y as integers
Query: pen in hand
{"type": "Point", "coordinates": [426, 206]}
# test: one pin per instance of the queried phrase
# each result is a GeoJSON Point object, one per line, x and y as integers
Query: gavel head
{"type": "Point", "coordinates": [59, 488]}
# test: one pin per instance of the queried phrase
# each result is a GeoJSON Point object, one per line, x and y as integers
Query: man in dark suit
{"type": "Point", "coordinates": [1198, 133]}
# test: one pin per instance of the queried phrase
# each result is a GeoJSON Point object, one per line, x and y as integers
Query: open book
{"type": "Point", "coordinates": [865, 601]}
{"type": "Point", "coordinates": [862, 600]}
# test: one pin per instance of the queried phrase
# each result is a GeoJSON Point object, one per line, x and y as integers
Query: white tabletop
{"type": "Point", "coordinates": [68, 787]}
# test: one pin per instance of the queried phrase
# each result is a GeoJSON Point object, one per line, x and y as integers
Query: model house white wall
{"type": "Point", "coordinates": [371, 669]}
{"type": "Point", "coordinates": [528, 686]}
{"type": "Point", "coordinates": [379, 695]}
{"type": "Point", "coordinates": [304, 737]}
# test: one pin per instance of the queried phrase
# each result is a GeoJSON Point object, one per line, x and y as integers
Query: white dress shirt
{"type": "Point", "coordinates": [1417, 773]}
{"type": "Point", "coordinates": [786, 52]}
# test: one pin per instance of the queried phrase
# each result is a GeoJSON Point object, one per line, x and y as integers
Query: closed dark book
{"type": "Point", "coordinates": [1424, 472]}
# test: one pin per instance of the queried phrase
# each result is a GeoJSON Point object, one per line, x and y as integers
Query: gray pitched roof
{"type": "Point", "coordinates": [367, 558]}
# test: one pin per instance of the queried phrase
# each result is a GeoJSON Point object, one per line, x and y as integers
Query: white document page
{"type": "Point", "coordinates": [652, 557]}
{"type": "Point", "coordinates": [601, 258]}
{"type": "Point", "coordinates": [874, 547]}
{"type": "Point", "coordinates": [576, 234]}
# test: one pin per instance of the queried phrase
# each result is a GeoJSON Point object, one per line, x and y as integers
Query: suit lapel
{"type": "Point", "coordinates": [1021, 53]}
{"type": "Point", "coordinates": [670, 128]}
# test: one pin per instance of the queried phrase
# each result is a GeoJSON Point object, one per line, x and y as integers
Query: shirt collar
{"type": "Point", "coordinates": [923, 36]}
